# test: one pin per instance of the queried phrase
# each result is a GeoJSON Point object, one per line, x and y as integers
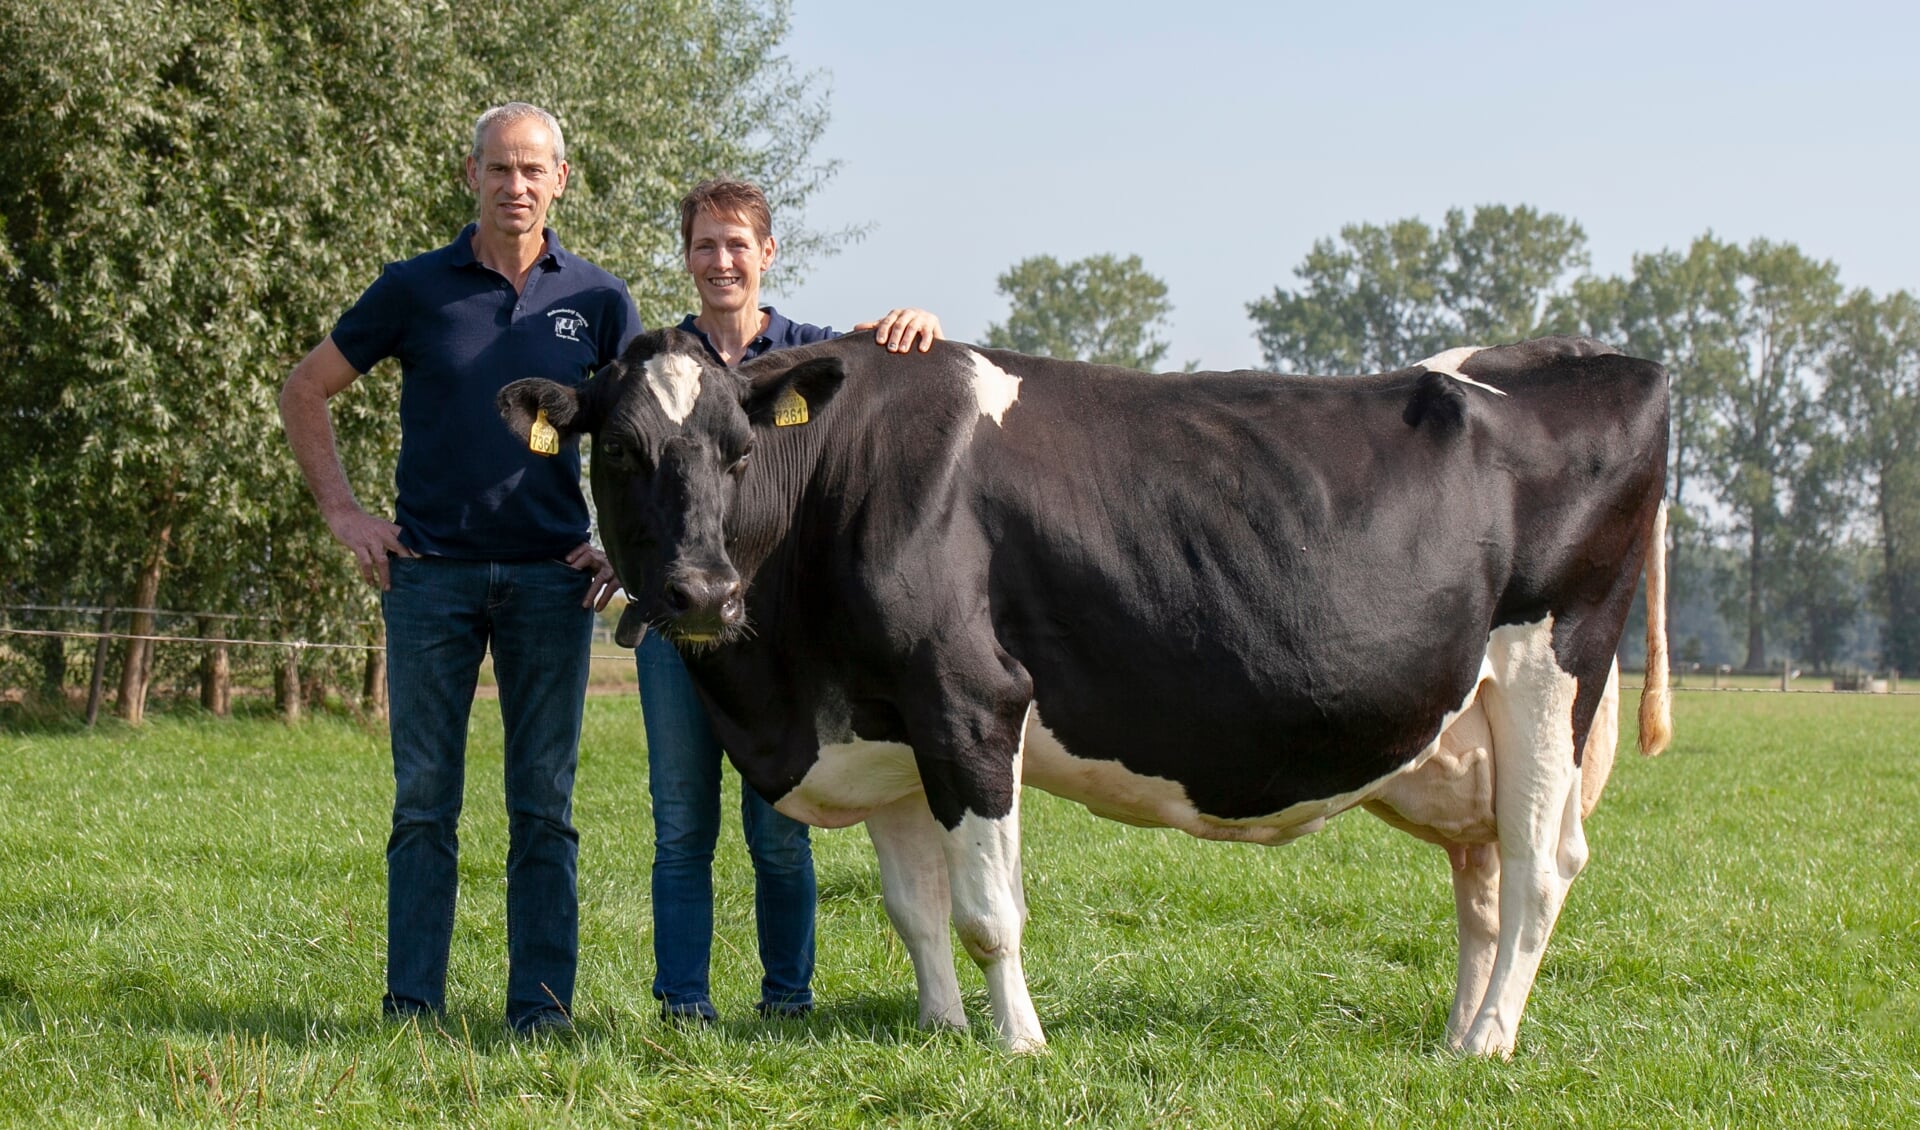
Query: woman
{"type": "Point", "coordinates": [726, 238]}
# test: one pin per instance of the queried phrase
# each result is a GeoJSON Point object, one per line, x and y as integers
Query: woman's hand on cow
{"type": "Point", "coordinates": [600, 590]}
{"type": "Point", "coordinates": [372, 540]}
{"type": "Point", "coordinates": [901, 329]}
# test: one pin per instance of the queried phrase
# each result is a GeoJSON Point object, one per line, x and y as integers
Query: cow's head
{"type": "Point", "coordinates": [673, 440]}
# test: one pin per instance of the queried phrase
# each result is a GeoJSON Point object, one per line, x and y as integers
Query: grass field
{"type": "Point", "coordinates": [192, 915]}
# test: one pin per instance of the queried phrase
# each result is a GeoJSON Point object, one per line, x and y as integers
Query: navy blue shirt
{"type": "Point", "coordinates": [466, 486]}
{"type": "Point", "coordinates": [781, 333]}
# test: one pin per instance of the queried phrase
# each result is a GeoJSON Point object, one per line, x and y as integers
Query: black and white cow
{"type": "Point", "coordinates": [1231, 603]}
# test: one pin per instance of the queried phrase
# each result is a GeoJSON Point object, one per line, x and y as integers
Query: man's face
{"type": "Point", "coordinates": [516, 177]}
{"type": "Point", "coordinates": [726, 260]}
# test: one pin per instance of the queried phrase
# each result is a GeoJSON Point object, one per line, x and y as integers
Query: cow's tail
{"type": "Point", "coordinates": [1656, 700]}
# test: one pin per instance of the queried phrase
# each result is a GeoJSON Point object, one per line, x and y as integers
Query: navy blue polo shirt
{"type": "Point", "coordinates": [466, 486]}
{"type": "Point", "coordinates": [781, 333]}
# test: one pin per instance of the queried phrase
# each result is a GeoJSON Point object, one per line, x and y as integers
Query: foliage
{"type": "Point", "coordinates": [1873, 390]}
{"type": "Point", "coordinates": [1386, 296]}
{"type": "Point", "coordinates": [1101, 309]}
{"type": "Point", "coordinates": [212, 952]}
{"type": "Point", "coordinates": [206, 184]}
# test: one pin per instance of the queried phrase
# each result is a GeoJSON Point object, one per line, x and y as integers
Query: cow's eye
{"type": "Point", "coordinates": [613, 450]}
{"type": "Point", "coordinates": [739, 466]}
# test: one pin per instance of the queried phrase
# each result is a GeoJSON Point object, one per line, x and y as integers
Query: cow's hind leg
{"type": "Point", "coordinates": [1529, 704]}
{"type": "Point", "coordinates": [1476, 893]}
{"type": "Point", "coordinates": [913, 883]}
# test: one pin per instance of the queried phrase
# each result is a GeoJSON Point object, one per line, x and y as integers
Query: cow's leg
{"type": "Point", "coordinates": [989, 914]}
{"type": "Point", "coordinates": [1476, 879]}
{"type": "Point", "coordinates": [913, 882]}
{"type": "Point", "coordinates": [1529, 707]}
{"type": "Point", "coordinates": [970, 766]}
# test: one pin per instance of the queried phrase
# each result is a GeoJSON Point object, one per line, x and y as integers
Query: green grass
{"type": "Point", "coordinates": [192, 915]}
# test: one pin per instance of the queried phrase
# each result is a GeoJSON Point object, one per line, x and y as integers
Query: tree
{"type": "Point", "coordinates": [1386, 296]}
{"type": "Point", "coordinates": [1100, 309]}
{"type": "Point", "coordinates": [1873, 385]}
{"type": "Point", "coordinates": [205, 185]}
{"type": "Point", "coordinates": [1766, 412]}
{"type": "Point", "coordinates": [1682, 310]}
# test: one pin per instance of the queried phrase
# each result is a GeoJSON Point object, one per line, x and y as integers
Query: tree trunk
{"type": "Point", "coordinates": [1756, 603]}
{"type": "Point", "coordinates": [136, 666]}
{"type": "Point", "coordinates": [373, 685]}
{"type": "Point", "coordinates": [216, 675]}
{"type": "Point", "coordinates": [53, 669]}
{"type": "Point", "coordinates": [286, 688]}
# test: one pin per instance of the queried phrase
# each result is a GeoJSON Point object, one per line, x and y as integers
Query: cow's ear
{"type": "Point", "coordinates": [793, 395]}
{"type": "Point", "coordinates": [570, 411]}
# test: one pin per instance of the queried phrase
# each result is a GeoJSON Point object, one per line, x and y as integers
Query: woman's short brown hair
{"type": "Point", "coordinates": [725, 199]}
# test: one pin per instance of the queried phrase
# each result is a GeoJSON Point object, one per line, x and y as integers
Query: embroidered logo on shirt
{"type": "Point", "coordinates": [567, 323]}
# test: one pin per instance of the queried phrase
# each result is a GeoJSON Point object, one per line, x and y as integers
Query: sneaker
{"type": "Point", "coordinates": [690, 1013]}
{"type": "Point", "coordinates": [784, 1010]}
{"type": "Point", "coordinates": [400, 1011]}
{"type": "Point", "coordinates": [547, 1024]}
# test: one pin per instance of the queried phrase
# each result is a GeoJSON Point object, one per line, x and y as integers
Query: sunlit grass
{"type": "Point", "coordinates": [191, 930]}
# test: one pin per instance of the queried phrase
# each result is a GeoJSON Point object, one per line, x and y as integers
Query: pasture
{"type": "Point", "coordinates": [192, 913]}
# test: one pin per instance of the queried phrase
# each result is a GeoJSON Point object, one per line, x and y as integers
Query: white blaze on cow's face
{"type": "Point", "coordinates": [993, 387]}
{"type": "Point", "coordinates": [674, 379]}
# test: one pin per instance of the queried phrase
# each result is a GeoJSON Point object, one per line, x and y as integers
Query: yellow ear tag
{"type": "Point", "coordinates": [790, 409]}
{"type": "Point", "coordinates": [543, 438]}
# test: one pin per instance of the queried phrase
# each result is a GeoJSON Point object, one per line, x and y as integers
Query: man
{"type": "Point", "coordinates": [489, 550]}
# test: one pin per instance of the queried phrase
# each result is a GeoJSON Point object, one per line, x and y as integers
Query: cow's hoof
{"type": "Point", "coordinates": [1485, 1043]}
{"type": "Point", "coordinates": [1027, 1045]}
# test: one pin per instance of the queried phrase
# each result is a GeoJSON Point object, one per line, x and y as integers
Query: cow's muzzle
{"type": "Point", "coordinates": [704, 607]}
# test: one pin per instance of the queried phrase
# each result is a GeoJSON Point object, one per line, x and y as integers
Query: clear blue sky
{"type": "Point", "coordinates": [1219, 140]}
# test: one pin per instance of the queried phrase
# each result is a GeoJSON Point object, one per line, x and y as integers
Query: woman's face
{"type": "Point", "coordinates": [726, 260]}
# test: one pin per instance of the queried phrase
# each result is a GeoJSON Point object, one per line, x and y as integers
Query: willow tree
{"type": "Point", "coordinates": [202, 186]}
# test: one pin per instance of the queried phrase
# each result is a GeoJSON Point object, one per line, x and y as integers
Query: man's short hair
{"type": "Point", "coordinates": [513, 112]}
{"type": "Point", "coordinates": [725, 199]}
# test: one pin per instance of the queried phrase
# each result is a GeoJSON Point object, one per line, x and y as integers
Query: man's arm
{"type": "Point", "coordinates": [303, 412]}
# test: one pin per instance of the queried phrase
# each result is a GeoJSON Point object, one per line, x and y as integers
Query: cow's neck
{"type": "Point", "coordinates": [784, 464]}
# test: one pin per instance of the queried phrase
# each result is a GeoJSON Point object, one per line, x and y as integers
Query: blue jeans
{"type": "Point", "coordinates": [442, 615]}
{"type": "Point", "coordinates": [683, 774]}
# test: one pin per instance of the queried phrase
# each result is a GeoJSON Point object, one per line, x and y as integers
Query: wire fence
{"type": "Point", "coordinates": [600, 631]}
{"type": "Point", "coordinates": [1682, 679]}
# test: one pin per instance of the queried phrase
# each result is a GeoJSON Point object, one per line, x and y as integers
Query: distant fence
{"type": "Point", "coordinates": [1686, 677]}
{"type": "Point", "coordinates": [103, 635]}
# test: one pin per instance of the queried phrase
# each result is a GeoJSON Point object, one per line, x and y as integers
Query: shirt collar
{"type": "Point", "coordinates": [554, 256]}
{"type": "Point", "coordinates": [779, 329]}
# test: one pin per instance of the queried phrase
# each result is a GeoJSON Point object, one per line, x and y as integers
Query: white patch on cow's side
{"type": "Point", "coordinates": [994, 388]}
{"type": "Point", "coordinates": [675, 381]}
{"type": "Point", "coordinates": [849, 780]}
{"type": "Point", "coordinates": [1450, 362]}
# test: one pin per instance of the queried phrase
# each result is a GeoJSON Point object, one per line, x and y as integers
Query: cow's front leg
{"type": "Point", "coordinates": [913, 882]}
{"type": "Point", "coordinates": [973, 789]}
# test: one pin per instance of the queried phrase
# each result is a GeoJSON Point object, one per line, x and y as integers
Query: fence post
{"type": "Point", "coordinates": [99, 667]}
